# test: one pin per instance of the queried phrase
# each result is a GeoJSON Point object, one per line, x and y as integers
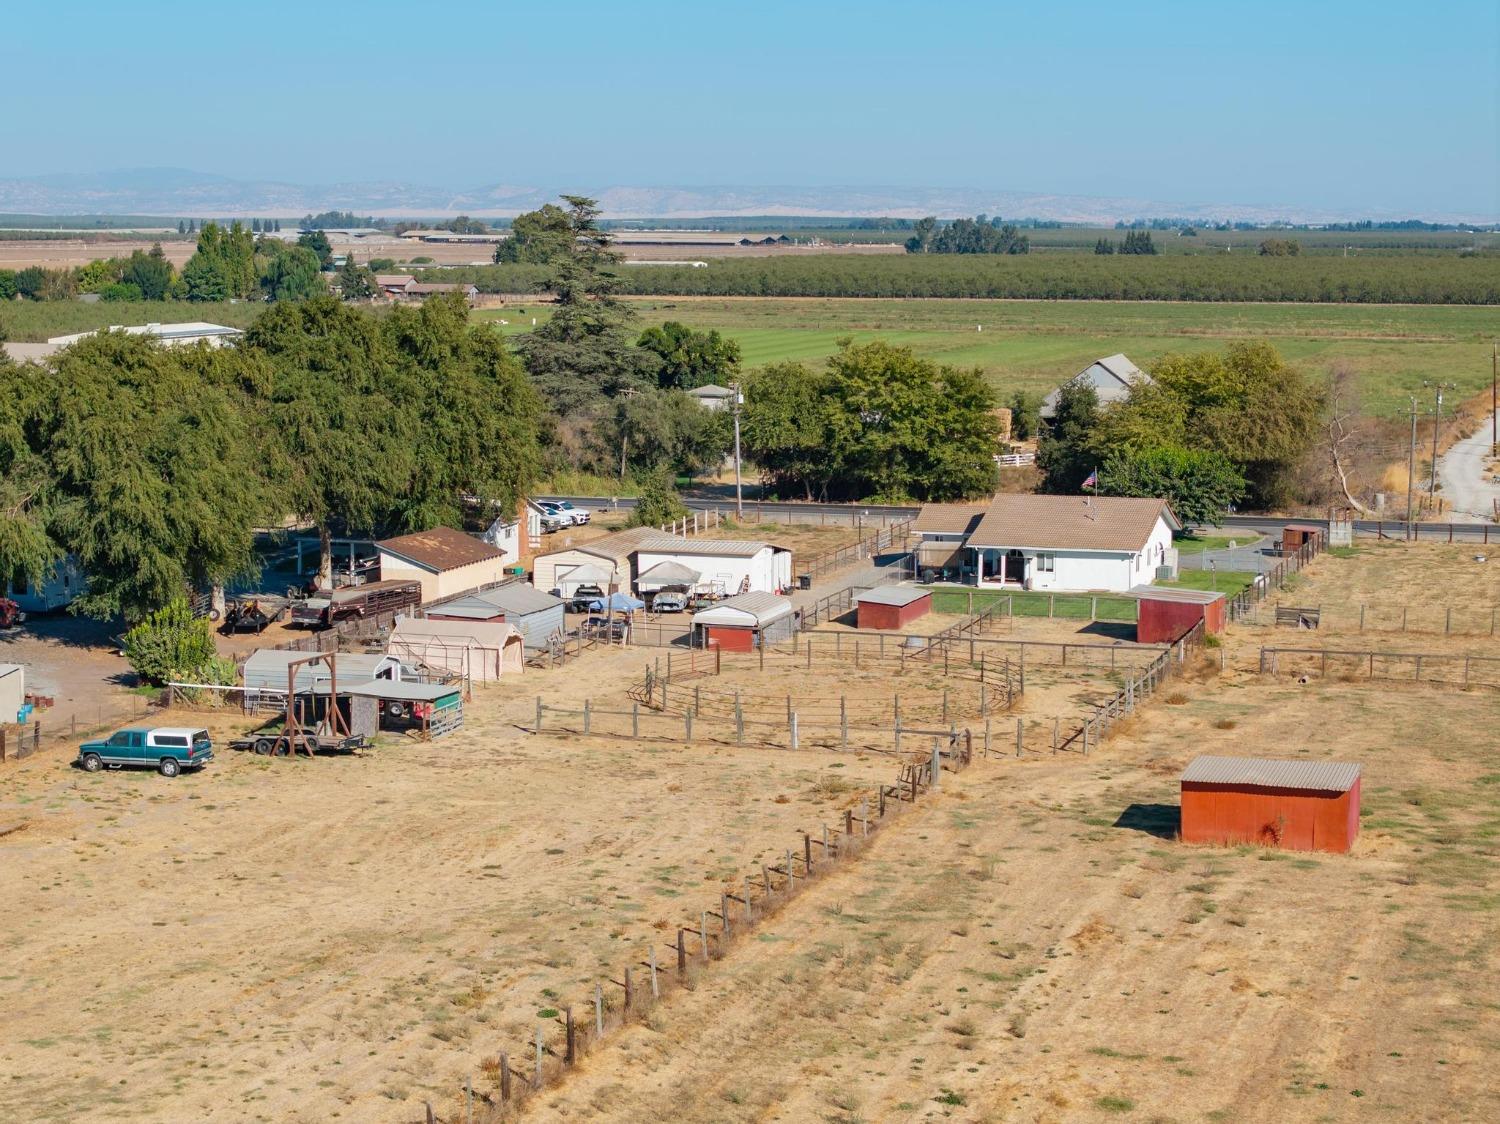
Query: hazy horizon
{"type": "Point", "coordinates": [1337, 109]}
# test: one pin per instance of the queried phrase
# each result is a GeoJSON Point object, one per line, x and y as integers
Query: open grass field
{"type": "Point", "coordinates": [1034, 345]}
{"type": "Point", "coordinates": [35, 321]}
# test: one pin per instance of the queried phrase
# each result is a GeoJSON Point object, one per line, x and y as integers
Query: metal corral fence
{"type": "Point", "coordinates": [1066, 606]}
{"type": "Point", "coordinates": [1461, 621]}
{"type": "Point", "coordinates": [1138, 689]}
{"type": "Point", "coordinates": [21, 741]}
{"type": "Point", "coordinates": [1448, 669]}
{"type": "Point", "coordinates": [652, 972]}
{"type": "Point", "coordinates": [377, 627]}
{"type": "Point", "coordinates": [1241, 604]}
{"type": "Point", "coordinates": [889, 539]}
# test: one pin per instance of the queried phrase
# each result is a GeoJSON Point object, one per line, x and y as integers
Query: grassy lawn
{"type": "Point", "coordinates": [1034, 345]}
{"type": "Point", "coordinates": [1227, 582]}
{"type": "Point", "coordinates": [1069, 606]}
{"type": "Point", "coordinates": [1194, 544]}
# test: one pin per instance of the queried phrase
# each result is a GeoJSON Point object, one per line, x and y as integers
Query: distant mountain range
{"type": "Point", "coordinates": [175, 192]}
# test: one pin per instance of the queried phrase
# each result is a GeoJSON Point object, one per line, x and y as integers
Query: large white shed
{"type": "Point", "coordinates": [725, 566]}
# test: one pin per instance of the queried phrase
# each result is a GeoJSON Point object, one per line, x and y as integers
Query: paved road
{"type": "Point", "coordinates": [878, 515]}
{"type": "Point", "coordinates": [1470, 486]}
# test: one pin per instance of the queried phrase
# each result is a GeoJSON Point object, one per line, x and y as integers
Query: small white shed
{"type": "Point", "coordinates": [12, 690]}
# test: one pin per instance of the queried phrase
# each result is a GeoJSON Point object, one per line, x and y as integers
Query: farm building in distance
{"type": "Point", "coordinates": [746, 622]}
{"type": "Point", "coordinates": [446, 562]}
{"type": "Point", "coordinates": [1111, 377]}
{"type": "Point", "coordinates": [1042, 542]}
{"type": "Point", "coordinates": [1295, 805]}
{"type": "Point", "coordinates": [1166, 613]}
{"type": "Point", "coordinates": [889, 607]}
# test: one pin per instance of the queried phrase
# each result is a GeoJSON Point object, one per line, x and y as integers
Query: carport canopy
{"type": "Point", "coordinates": [590, 573]}
{"type": "Point", "coordinates": [665, 575]}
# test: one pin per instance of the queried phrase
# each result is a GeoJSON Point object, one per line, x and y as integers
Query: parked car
{"type": "Point", "coordinates": [668, 602]}
{"type": "Point", "coordinates": [583, 597]}
{"type": "Point", "coordinates": [167, 749]}
{"type": "Point", "coordinates": [566, 511]}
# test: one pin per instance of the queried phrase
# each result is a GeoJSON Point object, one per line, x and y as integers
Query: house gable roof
{"type": "Point", "coordinates": [440, 549]}
{"type": "Point", "coordinates": [948, 518]}
{"type": "Point", "coordinates": [1117, 524]}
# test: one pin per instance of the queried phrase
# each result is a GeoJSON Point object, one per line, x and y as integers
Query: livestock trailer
{"type": "Point", "coordinates": [1293, 805]}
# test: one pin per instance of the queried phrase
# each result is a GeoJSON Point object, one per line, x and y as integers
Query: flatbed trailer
{"type": "Point", "coordinates": [274, 743]}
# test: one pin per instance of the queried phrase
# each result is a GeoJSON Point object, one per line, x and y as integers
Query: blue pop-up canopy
{"type": "Point", "coordinates": [617, 602]}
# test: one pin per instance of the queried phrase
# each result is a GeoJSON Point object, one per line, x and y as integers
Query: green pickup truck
{"type": "Point", "coordinates": [167, 749]}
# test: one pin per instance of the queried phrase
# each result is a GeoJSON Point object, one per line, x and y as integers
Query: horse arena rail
{"type": "Point", "coordinates": [655, 971]}
{"type": "Point", "coordinates": [1444, 669]}
{"type": "Point", "coordinates": [1447, 620]}
{"type": "Point", "coordinates": [1242, 603]}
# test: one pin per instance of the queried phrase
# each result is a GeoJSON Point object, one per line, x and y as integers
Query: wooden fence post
{"type": "Point", "coordinates": [681, 954]}
{"type": "Point", "coordinates": [598, 1010]}
{"type": "Point", "coordinates": [703, 933]}
{"type": "Point", "coordinates": [587, 709]}
{"type": "Point", "coordinates": [629, 990]}
{"type": "Point", "coordinates": [504, 1077]}
{"type": "Point", "coordinates": [570, 1054]}
{"type": "Point", "coordinates": [536, 1079]}
{"type": "Point", "coordinates": [807, 852]}
{"type": "Point", "coordinates": [539, 714]}
{"type": "Point", "coordinates": [1019, 746]}
{"type": "Point", "coordinates": [937, 766]}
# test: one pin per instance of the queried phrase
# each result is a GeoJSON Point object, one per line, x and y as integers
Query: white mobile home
{"type": "Point", "coordinates": [727, 567]}
{"type": "Point", "coordinates": [64, 583]}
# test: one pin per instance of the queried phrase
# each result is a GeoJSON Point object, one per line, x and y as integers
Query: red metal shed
{"type": "Point", "coordinates": [1295, 535]}
{"type": "Point", "coordinates": [891, 606]}
{"type": "Point", "coordinates": [1294, 805]}
{"type": "Point", "coordinates": [743, 623]}
{"type": "Point", "coordinates": [1166, 613]}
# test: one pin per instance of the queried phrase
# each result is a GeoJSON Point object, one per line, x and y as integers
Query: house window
{"type": "Point", "coordinates": [1046, 563]}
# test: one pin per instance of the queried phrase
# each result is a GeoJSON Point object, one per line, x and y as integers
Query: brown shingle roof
{"type": "Point", "coordinates": [1116, 523]}
{"type": "Point", "coordinates": [948, 518]}
{"type": "Point", "coordinates": [440, 549]}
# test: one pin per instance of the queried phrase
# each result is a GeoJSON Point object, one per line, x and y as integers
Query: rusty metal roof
{"type": "Point", "coordinates": [440, 549]}
{"type": "Point", "coordinates": [1262, 772]}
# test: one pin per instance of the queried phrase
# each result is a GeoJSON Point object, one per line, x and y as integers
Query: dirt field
{"type": "Point", "coordinates": [345, 938]}
{"type": "Point", "coordinates": [305, 941]}
{"type": "Point", "coordinates": [60, 253]}
{"type": "Point", "coordinates": [1418, 583]}
{"type": "Point", "coordinates": [1033, 946]}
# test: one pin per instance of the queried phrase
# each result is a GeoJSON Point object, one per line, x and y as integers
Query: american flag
{"type": "Point", "coordinates": [1093, 480]}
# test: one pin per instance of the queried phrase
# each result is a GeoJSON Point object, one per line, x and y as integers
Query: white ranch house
{"type": "Point", "coordinates": [1084, 543]}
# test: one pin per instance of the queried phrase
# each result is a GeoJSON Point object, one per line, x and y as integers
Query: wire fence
{"type": "Point", "coordinates": [1443, 668]}
{"type": "Point", "coordinates": [1449, 620]}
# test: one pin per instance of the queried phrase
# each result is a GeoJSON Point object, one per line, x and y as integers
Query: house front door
{"type": "Point", "coordinates": [1015, 567]}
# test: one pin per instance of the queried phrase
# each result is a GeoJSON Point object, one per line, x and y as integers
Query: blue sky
{"type": "Point", "coordinates": [1356, 106]}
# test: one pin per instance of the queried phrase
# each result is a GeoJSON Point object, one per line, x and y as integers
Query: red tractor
{"type": "Point", "coordinates": [10, 613]}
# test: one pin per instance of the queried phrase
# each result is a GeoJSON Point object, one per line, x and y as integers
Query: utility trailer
{"type": "Point", "coordinates": [327, 607]}
{"type": "Point", "coordinates": [279, 743]}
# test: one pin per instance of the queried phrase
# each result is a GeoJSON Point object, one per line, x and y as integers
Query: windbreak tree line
{"type": "Point", "coordinates": [1427, 279]}
{"type": "Point", "coordinates": [1207, 431]}
{"type": "Point", "coordinates": [154, 466]}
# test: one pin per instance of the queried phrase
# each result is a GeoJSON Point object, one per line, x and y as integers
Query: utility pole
{"type": "Point", "coordinates": [1411, 465]}
{"type": "Point", "coordinates": [739, 496]}
{"type": "Point", "coordinates": [1495, 401]}
{"type": "Point", "coordinates": [1437, 413]}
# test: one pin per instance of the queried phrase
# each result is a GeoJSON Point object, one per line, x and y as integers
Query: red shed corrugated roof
{"type": "Point", "coordinates": [1320, 776]}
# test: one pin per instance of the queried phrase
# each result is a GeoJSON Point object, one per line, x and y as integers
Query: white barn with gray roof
{"type": "Point", "coordinates": [725, 566]}
{"type": "Point", "coordinates": [1111, 377]}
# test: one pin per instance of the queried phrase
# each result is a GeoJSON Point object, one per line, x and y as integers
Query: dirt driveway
{"type": "Point", "coordinates": [73, 660]}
